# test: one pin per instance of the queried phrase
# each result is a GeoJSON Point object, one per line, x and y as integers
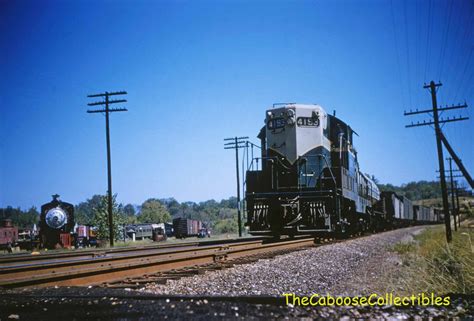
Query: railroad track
{"type": "Point", "coordinates": [10, 259]}
{"type": "Point", "coordinates": [147, 265]}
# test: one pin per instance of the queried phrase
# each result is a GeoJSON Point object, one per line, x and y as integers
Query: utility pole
{"type": "Point", "coordinates": [236, 143]}
{"type": "Point", "coordinates": [458, 208]}
{"type": "Point", "coordinates": [453, 189]}
{"type": "Point", "coordinates": [453, 205]}
{"type": "Point", "coordinates": [439, 136]}
{"type": "Point", "coordinates": [106, 102]}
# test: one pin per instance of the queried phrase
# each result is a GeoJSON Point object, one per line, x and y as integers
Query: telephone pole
{"type": "Point", "coordinates": [452, 190]}
{"type": "Point", "coordinates": [439, 136]}
{"type": "Point", "coordinates": [236, 143]}
{"type": "Point", "coordinates": [106, 102]}
{"type": "Point", "coordinates": [453, 205]}
{"type": "Point", "coordinates": [458, 208]}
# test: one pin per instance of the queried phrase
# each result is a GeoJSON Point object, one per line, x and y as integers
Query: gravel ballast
{"type": "Point", "coordinates": [353, 267]}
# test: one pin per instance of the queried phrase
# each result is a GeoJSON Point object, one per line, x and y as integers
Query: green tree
{"type": "Point", "coordinates": [415, 190]}
{"type": "Point", "coordinates": [84, 211]}
{"type": "Point", "coordinates": [129, 210]}
{"type": "Point", "coordinates": [130, 214]}
{"type": "Point", "coordinates": [226, 226]}
{"type": "Point", "coordinates": [21, 219]}
{"type": "Point", "coordinates": [172, 205]}
{"type": "Point", "coordinates": [152, 211]}
{"type": "Point", "coordinates": [101, 222]}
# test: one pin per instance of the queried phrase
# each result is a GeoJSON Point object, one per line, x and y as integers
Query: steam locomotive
{"type": "Point", "coordinates": [308, 178]}
{"type": "Point", "coordinates": [56, 224]}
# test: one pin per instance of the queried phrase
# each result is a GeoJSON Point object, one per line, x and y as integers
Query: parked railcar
{"type": "Point", "coordinates": [141, 231]}
{"type": "Point", "coordinates": [85, 236]}
{"type": "Point", "coordinates": [186, 227]}
{"type": "Point", "coordinates": [167, 227]}
{"type": "Point", "coordinates": [8, 234]}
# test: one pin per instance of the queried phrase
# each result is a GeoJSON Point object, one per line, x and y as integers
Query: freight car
{"type": "Point", "coordinates": [308, 179]}
{"type": "Point", "coordinates": [56, 224]}
{"type": "Point", "coordinates": [8, 234]}
{"type": "Point", "coordinates": [422, 214]}
{"type": "Point", "coordinates": [186, 227]}
{"type": "Point", "coordinates": [85, 236]}
{"type": "Point", "coordinates": [154, 232]}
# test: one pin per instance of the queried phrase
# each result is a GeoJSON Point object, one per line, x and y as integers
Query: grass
{"type": "Point", "coordinates": [404, 248]}
{"type": "Point", "coordinates": [430, 264]}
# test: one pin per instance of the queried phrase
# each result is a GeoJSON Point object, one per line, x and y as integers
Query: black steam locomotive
{"type": "Point", "coordinates": [56, 224]}
{"type": "Point", "coordinates": [308, 179]}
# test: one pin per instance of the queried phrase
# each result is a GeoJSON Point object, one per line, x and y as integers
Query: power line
{"type": "Point", "coordinates": [453, 56]}
{"type": "Point", "coordinates": [408, 53]}
{"type": "Point", "coordinates": [398, 54]}
{"type": "Point", "coordinates": [428, 38]}
{"type": "Point", "coordinates": [463, 74]}
{"type": "Point", "coordinates": [457, 71]}
{"type": "Point", "coordinates": [443, 47]}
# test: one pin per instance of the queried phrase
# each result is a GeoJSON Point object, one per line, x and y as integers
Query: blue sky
{"type": "Point", "coordinates": [199, 71]}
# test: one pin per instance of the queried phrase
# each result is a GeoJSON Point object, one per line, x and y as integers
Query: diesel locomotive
{"type": "Point", "coordinates": [308, 179]}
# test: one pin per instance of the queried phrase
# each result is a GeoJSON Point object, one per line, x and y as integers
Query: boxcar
{"type": "Point", "coordinates": [8, 233]}
{"type": "Point", "coordinates": [184, 227]}
{"type": "Point", "coordinates": [407, 209]}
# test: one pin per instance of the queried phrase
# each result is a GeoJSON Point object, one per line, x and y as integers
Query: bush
{"type": "Point", "coordinates": [226, 226]}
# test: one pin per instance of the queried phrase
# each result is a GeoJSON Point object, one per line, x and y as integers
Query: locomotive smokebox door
{"type": "Point", "coordinates": [56, 221]}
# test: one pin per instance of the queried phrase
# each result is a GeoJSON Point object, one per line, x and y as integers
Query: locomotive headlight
{"type": "Point", "coordinates": [56, 218]}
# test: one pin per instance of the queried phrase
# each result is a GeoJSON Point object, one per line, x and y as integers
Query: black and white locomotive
{"type": "Point", "coordinates": [308, 178]}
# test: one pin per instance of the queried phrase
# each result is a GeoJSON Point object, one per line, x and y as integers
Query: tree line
{"type": "Point", "coordinates": [221, 216]}
{"type": "Point", "coordinates": [415, 190]}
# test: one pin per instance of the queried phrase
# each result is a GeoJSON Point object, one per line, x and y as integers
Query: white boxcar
{"type": "Point", "coordinates": [407, 209]}
{"type": "Point", "coordinates": [432, 216]}
{"type": "Point", "coordinates": [421, 213]}
{"type": "Point", "coordinates": [397, 206]}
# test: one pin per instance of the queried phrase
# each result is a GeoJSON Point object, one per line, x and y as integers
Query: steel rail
{"type": "Point", "coordinates": [90, 253]}
{"type": "Point", "coordinates": [108, 269]}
